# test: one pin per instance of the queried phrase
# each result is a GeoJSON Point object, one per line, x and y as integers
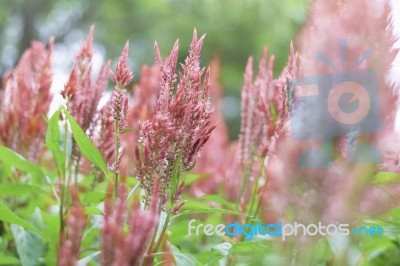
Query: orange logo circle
{"type": "Point", "coordinates": [359, 94]}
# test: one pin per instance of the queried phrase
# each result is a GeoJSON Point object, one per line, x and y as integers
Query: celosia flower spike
{"type": "Point", "coordinates": [123, 75]}
{"type": "Point", "coordinates": [180, 125]}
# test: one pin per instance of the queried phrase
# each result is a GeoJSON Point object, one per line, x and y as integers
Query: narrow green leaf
{"type": "Point", "coordinates": [248, 248]}
{"type": "Point", "coordinates": [218, 253]}
{"type": "Point", "coordinates": [53, 141]}
{"type": "Point", "coordinates": [386, 178]}
{"type": "Point", "coordinates": [182, 259]}
{"type": "Point", "coordinates": [12, 158]}
{"type": "Point", "coordinates": [132, 192]}
{"type": "Point", "coordinates": [190, 178]}
{"type": "Point", "coordinates": [219, 199]}
{"type": "Point", "coordinates": [207, 210]}
{"type": "Point", "coordinates": [93, 210]}
{"type": "Point", "coordinates": [18, 189]}
{"type": "Point", "coordinates": [194, 203]}
{"type": "Point", "coordinates": [223, 248]}
{"type": "Point", "coordinates": [86, 260]}
{"type": "Point", "coordinates": [85, 145]}
{"type": "Point", "coordinates": [175, 176]}
{"type": "Point", "coordinates": [9, 260]}
{"type": "Point", "coordinates": [9, 216]}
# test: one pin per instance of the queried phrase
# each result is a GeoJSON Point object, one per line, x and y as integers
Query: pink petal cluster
{"type": "Point", "coordinates": [264, 115]}
{"type": "Point", "coordinates": [218, 162]}
{"type": "Point", "coordinates": [264, 105]}
{"type": "Point", "coordinates": [25, 100]}
{"type": "Point", "coordinates": [181, 122]}
{"type": "Point", "coordinates": [123, 75]}
{"type": "Point", "coordinates": [114, 114]}
{"type": "Point", "coordinates": [141, 107]}
{"type": "Point", "coordinates": [127, 246]}
{"type": "Point", "coordinates": [68, 254]}
{"type": "Point", "coordinates": [335, 193]}
{"type": "Point", "coordinates": [81, 94]}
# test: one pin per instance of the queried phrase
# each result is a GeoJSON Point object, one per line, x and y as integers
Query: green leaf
{"type": "Point", "coordinates": [9, 260]}
{"type": "Point", "coordinates": [375, 246]}
{"type": "Point", "coordinates": [132, 192]}
{"type": "Point", "coordinates": [94, 197]}
{"type": "Point", "coordinates": [52, 229]}
{"type": "Point", "coordinates": [182, 259]}
{"type": "Point", "coordinates": [248, 248]}
{"type": "Point", "coordinates": [191, 177]}
{"type": "Point", "coordinates": [207, 210]}
{"type": "Point", "coordinates": [220, 200]}
{"type": "Point", "coordinates": [85, 145]}
{"type": "Point", "coordinates": [9, 216]}
{"type": "Point", "coordinates": [322, 252]}
{"type": "Point", "coordinates": [223, 248]}
{"type": "Point", "coordinates": [53, 141]}
{"type": "Point", "coordinates": [86, 260]}
{"type": "Point", "coordinates": [19, 189]}
{"type": "Point", "coordinates": [29, 245]}
{"type": "Point", "coordinates": [175, 176]}
{"type": "Point", "coordinates": [12, 158]}
{"type": "Point", "coordinates": [93, 210]}
{"type": "Point", "coordinates": [219, 252]}
{"type": "Point", "coordinates": [194, 203]}
{"type": "Point", "coordinates": [386, 178]}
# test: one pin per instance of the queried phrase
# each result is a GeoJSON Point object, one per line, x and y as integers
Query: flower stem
{"type": "Point", "coordinates": [246, 179]}
{"type": "Point", "coordinates": [63, 177]}
{"type": "Point", "coordinates": [116, 144]}
{"type": "Point", "coordinates": [165, 226]}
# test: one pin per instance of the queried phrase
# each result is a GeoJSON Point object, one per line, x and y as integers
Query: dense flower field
{"type": "Point", "coordinates": [152, 178]}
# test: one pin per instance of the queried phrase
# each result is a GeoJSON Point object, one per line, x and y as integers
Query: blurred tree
{"type": "Point", "coordinates": [235, 30]}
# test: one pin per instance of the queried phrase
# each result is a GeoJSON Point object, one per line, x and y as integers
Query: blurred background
{"type": "Point", "coordinates": [235, 30]}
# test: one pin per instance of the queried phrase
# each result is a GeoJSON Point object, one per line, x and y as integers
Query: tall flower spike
{"type": "Point", "coordinates": [123, 75]}
{"type": "Point", "coordinates": [141, 107]}
{"type": "Point", "coordinates": [22, 127]}
{"type": "Point", "coordinates": [244, 138]}
{"type": "Point", "coordinates": [180, 125]}
{"type": "Point", "coordinates": [86, 52]}
{"type": "Point", "coordinates": [81, 94]}
{"type": "Point", "coordinates": [168, 76]}
{"type": "Point", "coordinates": [216, 155]}
{"type": "Point", "coordinates": [119, 102]}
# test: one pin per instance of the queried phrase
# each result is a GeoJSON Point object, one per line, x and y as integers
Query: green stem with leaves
{"type": "Point", "coordinates": [164, 229]}
{"type": "Point", "coordinates": [246, 178]}
{"type": "Point", "coordinates": [64, 181]}
{"type": "Point", "coordinates": [175, 181]}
